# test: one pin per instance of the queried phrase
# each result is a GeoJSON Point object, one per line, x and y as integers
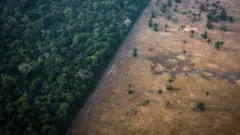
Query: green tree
{"type": "Point", "coordinates": [135, 53]}
{"type": "Point", "coordinates": [155, 26]}
{"type": "Point", "coordinates": [150, 22]}
{"type": "Point", "coordinates": [169, 3]}
{"type": "Point", "coordinates": [204, 35]}
{"type": "Point", "coordinates": [218, 44]}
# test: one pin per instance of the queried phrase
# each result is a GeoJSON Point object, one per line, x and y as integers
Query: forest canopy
{"type": "Point", "coordinates": [52, 54]}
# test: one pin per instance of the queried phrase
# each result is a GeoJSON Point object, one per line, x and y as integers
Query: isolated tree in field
{"type": "Point", "coordinates": [185, 41]}
{"type": "Point", "coordinates": [176, 8]}
{"type": "Point", "coordinates": [209, 25]}
{"type": "Point", "coordinates": [163, 8]}
{"type": "Point", "coordinates": [194, 17]}
{"type": "Point", "coordinates": [153, 14]}
{"type": "Point", "coordinates": [150, 22]}
{"type": "Point", "coordinates": [130, 86]}
{"type": "Point", "coordinates": [166, 104]}
{"type": "Point", "coordinates": [218, 44]}
{"type": "Point", "coordinates": [223, 28]}
{"type": "Point", "coordinates": [182, 26]}
{"type": "Point", "coordinates": [169, 17]}
{"type": "Point", "coordinates": [155, 26]}
{"type": "Point", "coordinates": [178, 1]}
{"type": "Point", "coordinates": [223, 15]}
{"type": "Point", "coordinates": [166, 27]}
{"type": "Point", "coordinates": [209, 40]}
{"type": "Point", "coordinates": [204, 35]}
{"type": "Point", "coordinates": [192, 32]}
{"type": "Point", "coordinates": [160, 91]}
{"type": "Point", "coordinates": [203, 7]}
{"type": "Point", "coordinates": [231, 19]}
{"type": "Point", "coordinates": [169, 3]}
{"type": "Point", "coordinates": [198, 106]}
{"type": "Point", "coordinates": [135, 53]}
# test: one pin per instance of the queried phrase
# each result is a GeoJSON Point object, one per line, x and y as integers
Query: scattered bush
{"type": "Point", "coordinates": [166, 26]}
{"type": "Point", "coordinates": [146, 102]}
{"type": "Point", "coordinates": [209, 25]}
{"type": "Point", "coordinates": [223, 28]}
{"type": "Point", "coordinates": [204, 35]}
{"type": "Point", "coordinates": [166, 104]}
{"type": "Point", "coordinates": [198, 106]}
{"type": "Point", "coordinates": [182, 26]}
{"type": "Point", "coordinates": [178, 1]}
{"type": "Point", "coordinates": [171, 80]}
{"type": "Point", "coordinates": [169, 3]}
{"type": "Point", "coordinates": [192, 32]}
{"type": "Point", "coordinates": [207, 93]}
{"type": "Point", "coordinates": [160, 91]}
{"type": "Point", "coordinates": [135, 53]}
{"type": "Point", "coordinates": [163, 8]}
{"type": "Point", "coordinates": [231, 19]}
{"type": "Point", "coordinates": [169, 87]}
{"type": "Point", "coordinates": [150, 22]}
{"type": "Point", "coordinates": [130, 91]}
{"type": "Point", "coordinates": [153, 14]}
{"type": "Point", "coordinates": [169, 17]}
{"type": "Point", "coordinates": [184, 51]}
{"type": "Point", "coordinates": [218, 44]}
{"type": "Point", "coordinates": [155, 26]}
{"type": "Point", "coordinates": [209, 40]}
{"type": "Point", "coordinates": [185, 41]}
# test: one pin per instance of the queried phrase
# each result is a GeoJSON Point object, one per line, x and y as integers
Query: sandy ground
{"type": "Point", "coordinates": [112, 111]}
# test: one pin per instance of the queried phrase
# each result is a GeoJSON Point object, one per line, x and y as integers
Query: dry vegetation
{"type": "Point", "coordinates": [178, 81]}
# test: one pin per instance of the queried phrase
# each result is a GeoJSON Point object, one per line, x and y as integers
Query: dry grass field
{"type": "Point", "coordinates": [200, 72]}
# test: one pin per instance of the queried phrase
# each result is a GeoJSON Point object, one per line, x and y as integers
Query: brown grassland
{"type": "Point", "coordinates": [201, 73]}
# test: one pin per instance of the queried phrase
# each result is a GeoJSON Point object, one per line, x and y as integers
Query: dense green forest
{"type": "Point", "coordinates": [52, 55]}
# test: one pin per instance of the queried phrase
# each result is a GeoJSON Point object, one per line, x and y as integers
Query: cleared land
{"type": "Point", "coordinates": [200, 72]}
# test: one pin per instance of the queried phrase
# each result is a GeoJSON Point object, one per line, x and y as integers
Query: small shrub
{"type": "Point", "coordinates": [163, 8]}
{"type": "Point", "coordinates": [166, 104]}
{"type": "Point", "coordinates": [160, 91]}
{"type": "Point", "coordinates": [223, 28]}
{"type": "Point", "coordinates": [204, 35]}
{"type": "Point", "coordinates": [155, 26]}
{"type": "Point", "coordinates": [207, 93]}
{"type": "Point", "coordinates": [185, 41]}
{"type": "Point", "coordinates": [175, 8]}
{"type": "Point", "coordinates": [166, 26]}
{"type": "Point", "coordinates": [169, 87]}
{"type": "Point", "coordinates": [146, 102]}
{"type": "Point", "coordinates": [184, 51]}
{"type": "Point", "coordinates": [209, 25]}
{"type": "Point", "coordinates": [184, 13]}
{"type": "Point", "coordinates": [130, 91]}
{"type": "Point", "coordinates": [209, 40]}
{"type": "Point", "coordinates": [150, 22]}
{"type": "Point", "coordinates": [153, 14]}
{"type": "Point", "coordinates": [135, 53]}
{"type": "Point", "coordinates": [169, 17]}
{"type": "Point", "coordinates": [231, 19]}
{"type": "Point", "coordinates": [178, 1]}
{"type": "Point", "coordinates": [198, 106]}
{"type": "Point", "coordinates": [171, 80]}
{"type": "Point", "coordinates": [218, 44]}
{"type": "Point", "coordinates": [169, 3]}
{"type": "Point", "coordinates": [183, 26]}
{"type": "Point", "coordinates": [192, 32]}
